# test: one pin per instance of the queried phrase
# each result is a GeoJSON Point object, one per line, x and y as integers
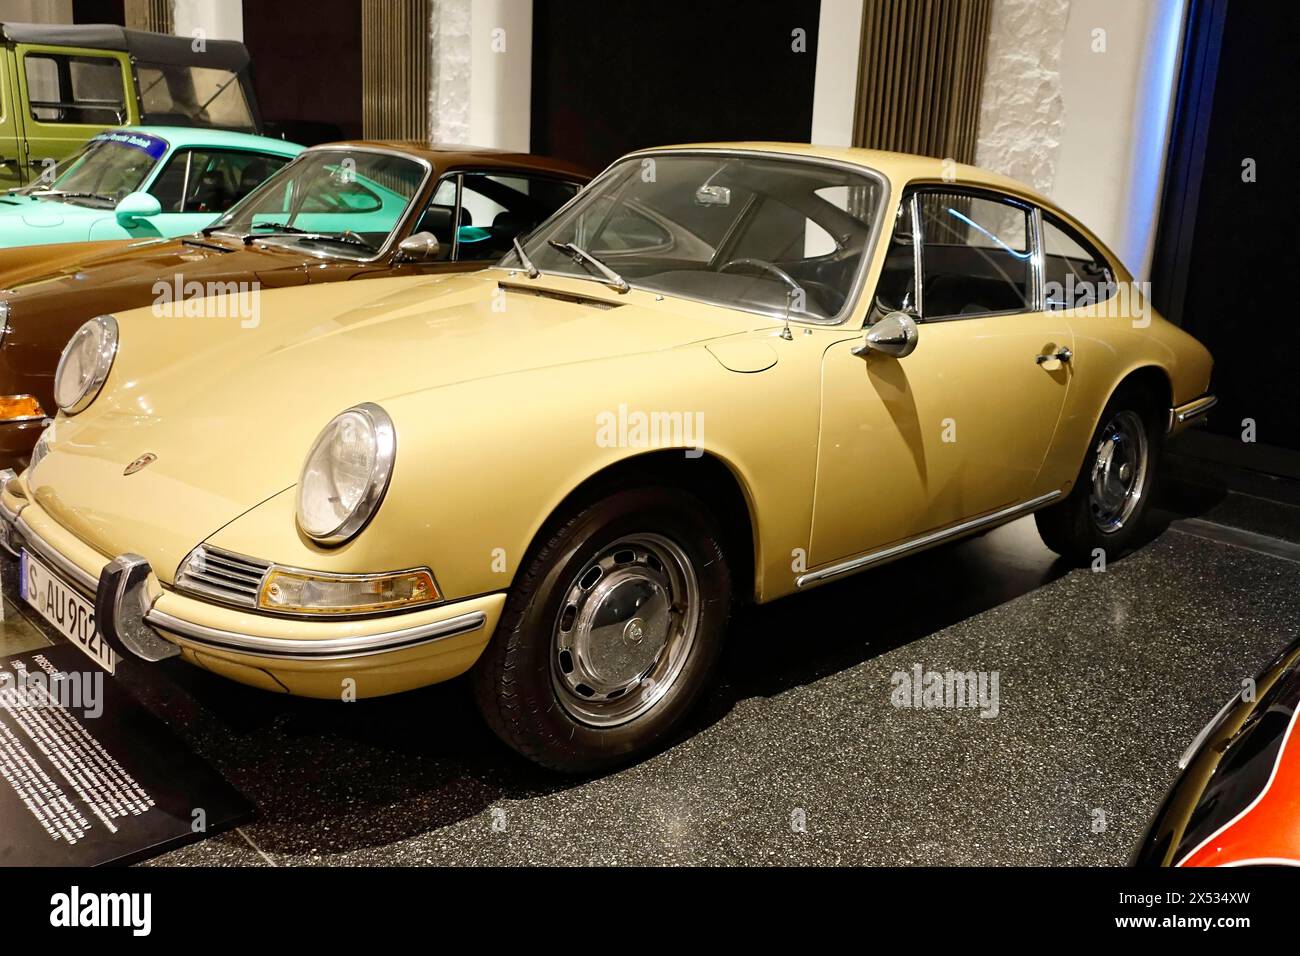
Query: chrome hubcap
{"type": "Point", "coordinates": [625, 629]}
{"type": "Point", "coordinates": [1119, 472]}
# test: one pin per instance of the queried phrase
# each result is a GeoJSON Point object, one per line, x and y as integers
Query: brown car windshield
{"type": "Point", "coordinates": [332, 201]}
{"type": "Point", "coordinates": [752, 232]}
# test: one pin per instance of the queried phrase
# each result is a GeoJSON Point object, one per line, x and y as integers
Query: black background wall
{"type": "Point", "coordinates": [612, 77]}
{"type": "Point", "coordinates": [1227, 257]}
{"type": "Point", "coordinates": [307, 62]}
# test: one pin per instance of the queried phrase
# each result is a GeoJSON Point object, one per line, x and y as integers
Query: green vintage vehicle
{"type": "Point", "coordinates": [146, 182]}
{"type": "Point", "coordinates": [62, 85]}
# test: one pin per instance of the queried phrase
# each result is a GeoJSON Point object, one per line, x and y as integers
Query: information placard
{"type": "Point", "coordinates": [89, 777]}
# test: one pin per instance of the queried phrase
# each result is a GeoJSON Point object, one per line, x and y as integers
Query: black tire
{"type": "Point", "coordinates": [1070, 527]}
{"type": "Point", "coordinates": [517, 690]}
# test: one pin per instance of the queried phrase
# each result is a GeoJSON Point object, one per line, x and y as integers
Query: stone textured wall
{"type": "Point", "coordinates": [449, 94]}
{"type": "Point", "coordinates": [1022, 117]}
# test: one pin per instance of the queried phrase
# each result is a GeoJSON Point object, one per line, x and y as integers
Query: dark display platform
{"type": "Point", "coordinates": [88, 777]}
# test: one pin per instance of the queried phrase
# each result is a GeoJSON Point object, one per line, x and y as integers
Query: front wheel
{"type": "Point", "coordinates": [610, 632]}
{"type": "Point", "coordinates": [1104, 510]}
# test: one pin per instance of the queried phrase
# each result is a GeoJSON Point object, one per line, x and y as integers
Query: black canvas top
{"type": "Point", "coordinates": [144, 46]}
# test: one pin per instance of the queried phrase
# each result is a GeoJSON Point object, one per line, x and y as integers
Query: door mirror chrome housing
{"type": "Point", "coordinates": [895, 335]}
{"type": "Point", "coordinates": [421, 247]}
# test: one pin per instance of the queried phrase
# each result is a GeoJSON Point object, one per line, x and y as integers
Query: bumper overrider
{"type": "Point", "coordinates": [1182, 417]}
{"type": "Point", "coordinates": [140, 618]}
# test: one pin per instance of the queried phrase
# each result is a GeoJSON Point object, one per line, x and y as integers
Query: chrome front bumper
{"type": "Point", "coordinates": [1184, 416]}
{"type": "Point", "coordinates": [130, 621]}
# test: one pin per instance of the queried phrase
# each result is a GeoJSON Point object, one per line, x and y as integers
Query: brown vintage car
{"type": "Point", "coordinates": [340, 211]}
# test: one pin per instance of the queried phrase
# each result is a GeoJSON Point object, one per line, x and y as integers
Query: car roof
{"type": "Point", "coordinates": [904, 168]}
{"type": "Point", "coordinates": [454, 156]}
{"type": "Point", "coordinates": [204, 136]}
{"type": "Point", "coordinates": [899, 168]}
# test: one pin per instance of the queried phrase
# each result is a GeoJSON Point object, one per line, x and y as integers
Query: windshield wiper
{"type": "Point", "coordinates": [293, 232]}
{"type": "Point", "coordinates": [532, 270]}
{"type": "Point", "coordinates": [66, 195]}
{"type": "Point", "coordinates": [585, 258]}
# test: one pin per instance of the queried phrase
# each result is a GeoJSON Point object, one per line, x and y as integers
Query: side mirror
{"type": "Point", "coordinates": [137, 206]}
{"type": "Point", "coordinates": [421, 247]}
{"type": "Point", "coordinates": [895, 335]}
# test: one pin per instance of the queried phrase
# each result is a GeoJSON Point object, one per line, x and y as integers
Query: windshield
{"type": "Point", "coordinates": [105, 170]}
{"type": "Point", "coordinates": [356, 197]}
{"type": "Point", "coordinates": [745, 231]}
{"type": "Point", "coordinates": [173, 95]}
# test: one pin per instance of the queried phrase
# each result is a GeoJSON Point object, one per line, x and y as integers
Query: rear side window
{"type": "Point", "coordinates": [75, 89]}
{"type": "Point", "coordinates": [1075, 274]}
{"type": "Point", "coordinates": [497, 207]}
{"type": "Point", "coordinates": [976, 255]}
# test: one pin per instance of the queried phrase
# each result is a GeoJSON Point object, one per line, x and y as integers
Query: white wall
{"type": "Point", "coordinates": [835, 87]}
{"type": "Point", "coordinates": [1077, 97]}
{"type": "Point", "coordinates": [481, 88]}
{"type": "Point", "coordinates": [218, 19]}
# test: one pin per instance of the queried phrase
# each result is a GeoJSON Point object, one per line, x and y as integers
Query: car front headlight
{"type": "Point", "coordinates": [85, 364]}
{"type": "Point", "coordinates": [346, 474]}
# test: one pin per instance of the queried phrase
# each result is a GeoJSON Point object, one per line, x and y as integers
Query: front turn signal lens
{"type": "Point", "coordinates": [314, 592]}
{"type": "Point", "coordinates": [20, 408]}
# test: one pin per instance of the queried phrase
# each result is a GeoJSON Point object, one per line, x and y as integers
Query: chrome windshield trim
{"type": "Point", "coordinates": [328, 649]}
{"type": "Point", "coordinates": [854, 296]}
{"type": "Point", "coordinates": [924, 541]}
{"type": "Point", "coordinates": [394, 236]}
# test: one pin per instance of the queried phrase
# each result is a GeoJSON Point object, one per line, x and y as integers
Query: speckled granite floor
{"type": "Point", "coordinates": [798, 755]}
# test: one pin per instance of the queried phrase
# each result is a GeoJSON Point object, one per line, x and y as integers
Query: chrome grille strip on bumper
{"type": "Point", "coordinates": [334, 648]}
{"type": "Point", "coordinates": [126, 614]}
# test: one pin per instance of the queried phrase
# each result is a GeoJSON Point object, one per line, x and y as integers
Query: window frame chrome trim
{"type": "Point", "coordinates": [398, 231]}
{"type": "Point", "coordinates": [991, 193]}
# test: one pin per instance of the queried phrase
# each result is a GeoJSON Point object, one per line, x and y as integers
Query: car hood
{"type": "Point", "coordinates": [27, 216]}
{"type": "Point", "coordinates": [230, 411]}
{"type": "Point", "coordinates": [103, 266]}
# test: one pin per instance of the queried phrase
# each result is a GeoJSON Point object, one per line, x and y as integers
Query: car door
{"type": "Point", "coordinates": [959, 428]}
{"type": "Point", "coordinates": [70, 95]}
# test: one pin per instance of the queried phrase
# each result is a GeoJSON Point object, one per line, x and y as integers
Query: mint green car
{"type": "Point", "coordinates": [140, 182]}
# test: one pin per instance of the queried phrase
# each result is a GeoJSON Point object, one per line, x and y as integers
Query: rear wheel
{"type": "Point", "coordinates": [610, 632]}
{"type": "Point", "coordinates": [1104, 510]}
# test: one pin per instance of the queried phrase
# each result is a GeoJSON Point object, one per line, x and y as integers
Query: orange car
{"type": "Point", "coordinates": [1237, 802]}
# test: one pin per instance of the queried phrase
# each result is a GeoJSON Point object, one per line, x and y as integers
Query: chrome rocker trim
{"type": "Point", "coordinates": [853, 565]}
{"type": "Point", "coordinates": [128, 623]}
{"type": "Point", "coordinates": [1183, 415]}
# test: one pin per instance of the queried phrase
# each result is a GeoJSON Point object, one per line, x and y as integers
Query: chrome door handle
{"type": "Point", "coordinates": [1060, 355]}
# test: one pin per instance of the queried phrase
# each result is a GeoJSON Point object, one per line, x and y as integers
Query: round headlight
{"type": "Point", "coordinates": [346, 474]}
{"type": "Point", "coordinates": [85, 364]}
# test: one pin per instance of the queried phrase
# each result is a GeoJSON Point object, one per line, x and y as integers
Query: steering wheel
{"type": "Point", "coordinates": [766, 267]}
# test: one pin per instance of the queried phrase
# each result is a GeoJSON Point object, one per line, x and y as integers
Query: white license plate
{"type": "Point", "coordinates": [70, 613]}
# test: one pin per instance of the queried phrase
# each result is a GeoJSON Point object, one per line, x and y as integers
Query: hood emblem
{"type": "Point", "coordinates": [148, 458]}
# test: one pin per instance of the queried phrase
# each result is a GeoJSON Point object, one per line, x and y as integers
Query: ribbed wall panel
{"type": "Point", "coordinates": [921, 76]}
{"type": "Point", "coordinates": [153, 15]}
{"type": "Point", "coordinates": [395, 68]}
